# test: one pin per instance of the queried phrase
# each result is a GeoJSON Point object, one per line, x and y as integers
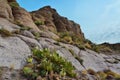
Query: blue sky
{"type": "Point", "coordinates": [99, 19]}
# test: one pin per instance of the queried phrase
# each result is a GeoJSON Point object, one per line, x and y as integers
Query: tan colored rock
{"type": "Point", "coordinates": [5, 10]}
{"type": "Point", "coordinates": [45, 15]}
{"type": "Point", "coordinates": [23, 17]}
{"type": "Point", "coordinates": [55, 22]}
{"type": "Point", "coordinates": [49, 34]}
{"type": "Point", "coordinates": [5, 24]}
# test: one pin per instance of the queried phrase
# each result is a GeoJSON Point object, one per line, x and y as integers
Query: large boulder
{"type": "Point", "coordinates": [92, 60]}
{"type": "Point", "coordinates": [13, 52]}
{"type": "Point", "coordinates": [5, 10]}
{"type": "Point", "coordinates": [21, 16]}
{"type": "Point", "coordinates": [5, 24]}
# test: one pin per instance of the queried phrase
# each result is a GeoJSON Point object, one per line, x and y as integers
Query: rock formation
{"type": "Point", "coordinates": [5, 10]}
{"type": "Point", "coordinates": [21, 31]}
{"type": "Point", "coordinates": [55, 22]}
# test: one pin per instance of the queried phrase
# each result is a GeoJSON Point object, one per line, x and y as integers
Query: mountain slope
{"type": "Point", "coordinates": [44, 45]}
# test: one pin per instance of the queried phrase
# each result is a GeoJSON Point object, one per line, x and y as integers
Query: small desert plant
{"type": "Point", "coordinates": [102, 75]}
{"type": "Point", "coordinates": [47, 62]}
{"type": "Point", "coordinates": [36, 34]}
{"type": "Point", "coordinates": [106, 73]}
{"type": "Point", "coordinates": [25, 28]}
{"type": "Point", "coordinates": [65, 37]}
{"type": "Point", "coordinates": [39, 23]}
{"type": "Point", "coordinates": [5, 33]}
{"type": "Point", "coordinates": [80, 46]}
{"type": "Point", "coordinates": [95, 48]}
{"type": "Point", "coordinates": [14, 4]}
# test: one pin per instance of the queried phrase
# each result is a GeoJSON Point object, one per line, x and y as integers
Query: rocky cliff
{"type": "Point", "coordinates": [43, 44]}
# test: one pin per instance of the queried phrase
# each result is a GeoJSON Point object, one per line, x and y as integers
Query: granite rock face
{"type": "Point", "coordinates": [13, 52]}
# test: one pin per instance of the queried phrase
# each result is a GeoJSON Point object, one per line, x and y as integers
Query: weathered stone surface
{"type": "Point", "coordinates": [8, 74]}
{"type": "Point", "coordinates": [113, 62]}
{"type": "Point", "coordinates": [27, 34]}
{"type": "Point", "coordinates": [31, 42]}
{"type": "Point", "coordinates": [5, 10]}
{"type": "Point", "coordinates": [47, 43]}
{"type": "Point", "coordinates": [75, 49]}
{"type": "Point", "coordinates": [92, 60]}
{"type": "Point", "coordinates": [8, 25]}
{"type": "Point", "coordinates": [13, 52]}
{"type": "Point", "coordinates": [22, 17]}
{"type": "Point", "coordinates": [68, 56]}
{"type": "Point", "coordinates": [49, 34]}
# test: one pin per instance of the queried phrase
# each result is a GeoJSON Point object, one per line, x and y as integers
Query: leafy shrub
{"type": "Point", "coordinates": [47, 62]}
{"type": "Point", "coordinates": [95, 48]}
{"type": "Point", "coordinates": [102, 75]}
{"type": "Point", "coordinates": [25, 28]}
{"type": "Point", "coordinates": [65, 37]}
{"type": "Point", "coordinates": [14, 4]}
{"type": "Point", "coordinates": [80, 46]}
{"type": "Point", "coordinates": [36, 34]}
{"type": "Point", "coordinates": [5, 33]}
{"type": "Point", "coordinates": [106, 73]}
{"type": "Point", "coordinates": [100, 48]}
{"type": "Point", "coordinates": [39, 23]}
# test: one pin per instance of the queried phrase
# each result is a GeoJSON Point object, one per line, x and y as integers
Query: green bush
{"type": "Point", "coordinates": [14, 4]}
{"type": "Point", "coordinates": [5, 33]}
{"type": "Point", "coordinates": [65, 37]}
{"type": "Point", "coordinates": [39, 23]}
{"type": "Point", "coordinates": [47, 62]}
{"type": "Point", "coordinates": [104, 74]}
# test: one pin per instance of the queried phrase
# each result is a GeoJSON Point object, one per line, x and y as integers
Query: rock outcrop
{"type": "Point", "coordinates": [16, 48]}
{"type": "Point", "coordinates": [5, 10]}
{"type": "Point", "coordinates": [13, 52]}
{"type": "Point", "coordinates": [5, 24]}
{"type": "Point", "coordinates": [21, 16]}
{"type": "Point", "coordinates": [55, 22]}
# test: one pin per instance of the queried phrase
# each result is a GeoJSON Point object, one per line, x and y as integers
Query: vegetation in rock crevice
{"type": "Point", "coordinates": [45, 63]}
{"type": "Point", "coordinates": [5, 33]}
{"type": "Point", "coordinates": [39, 22]}
{"type": "Point", "coordinates": [14, 4]}
{"type": "Point", "coordinates": [104, 75]}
